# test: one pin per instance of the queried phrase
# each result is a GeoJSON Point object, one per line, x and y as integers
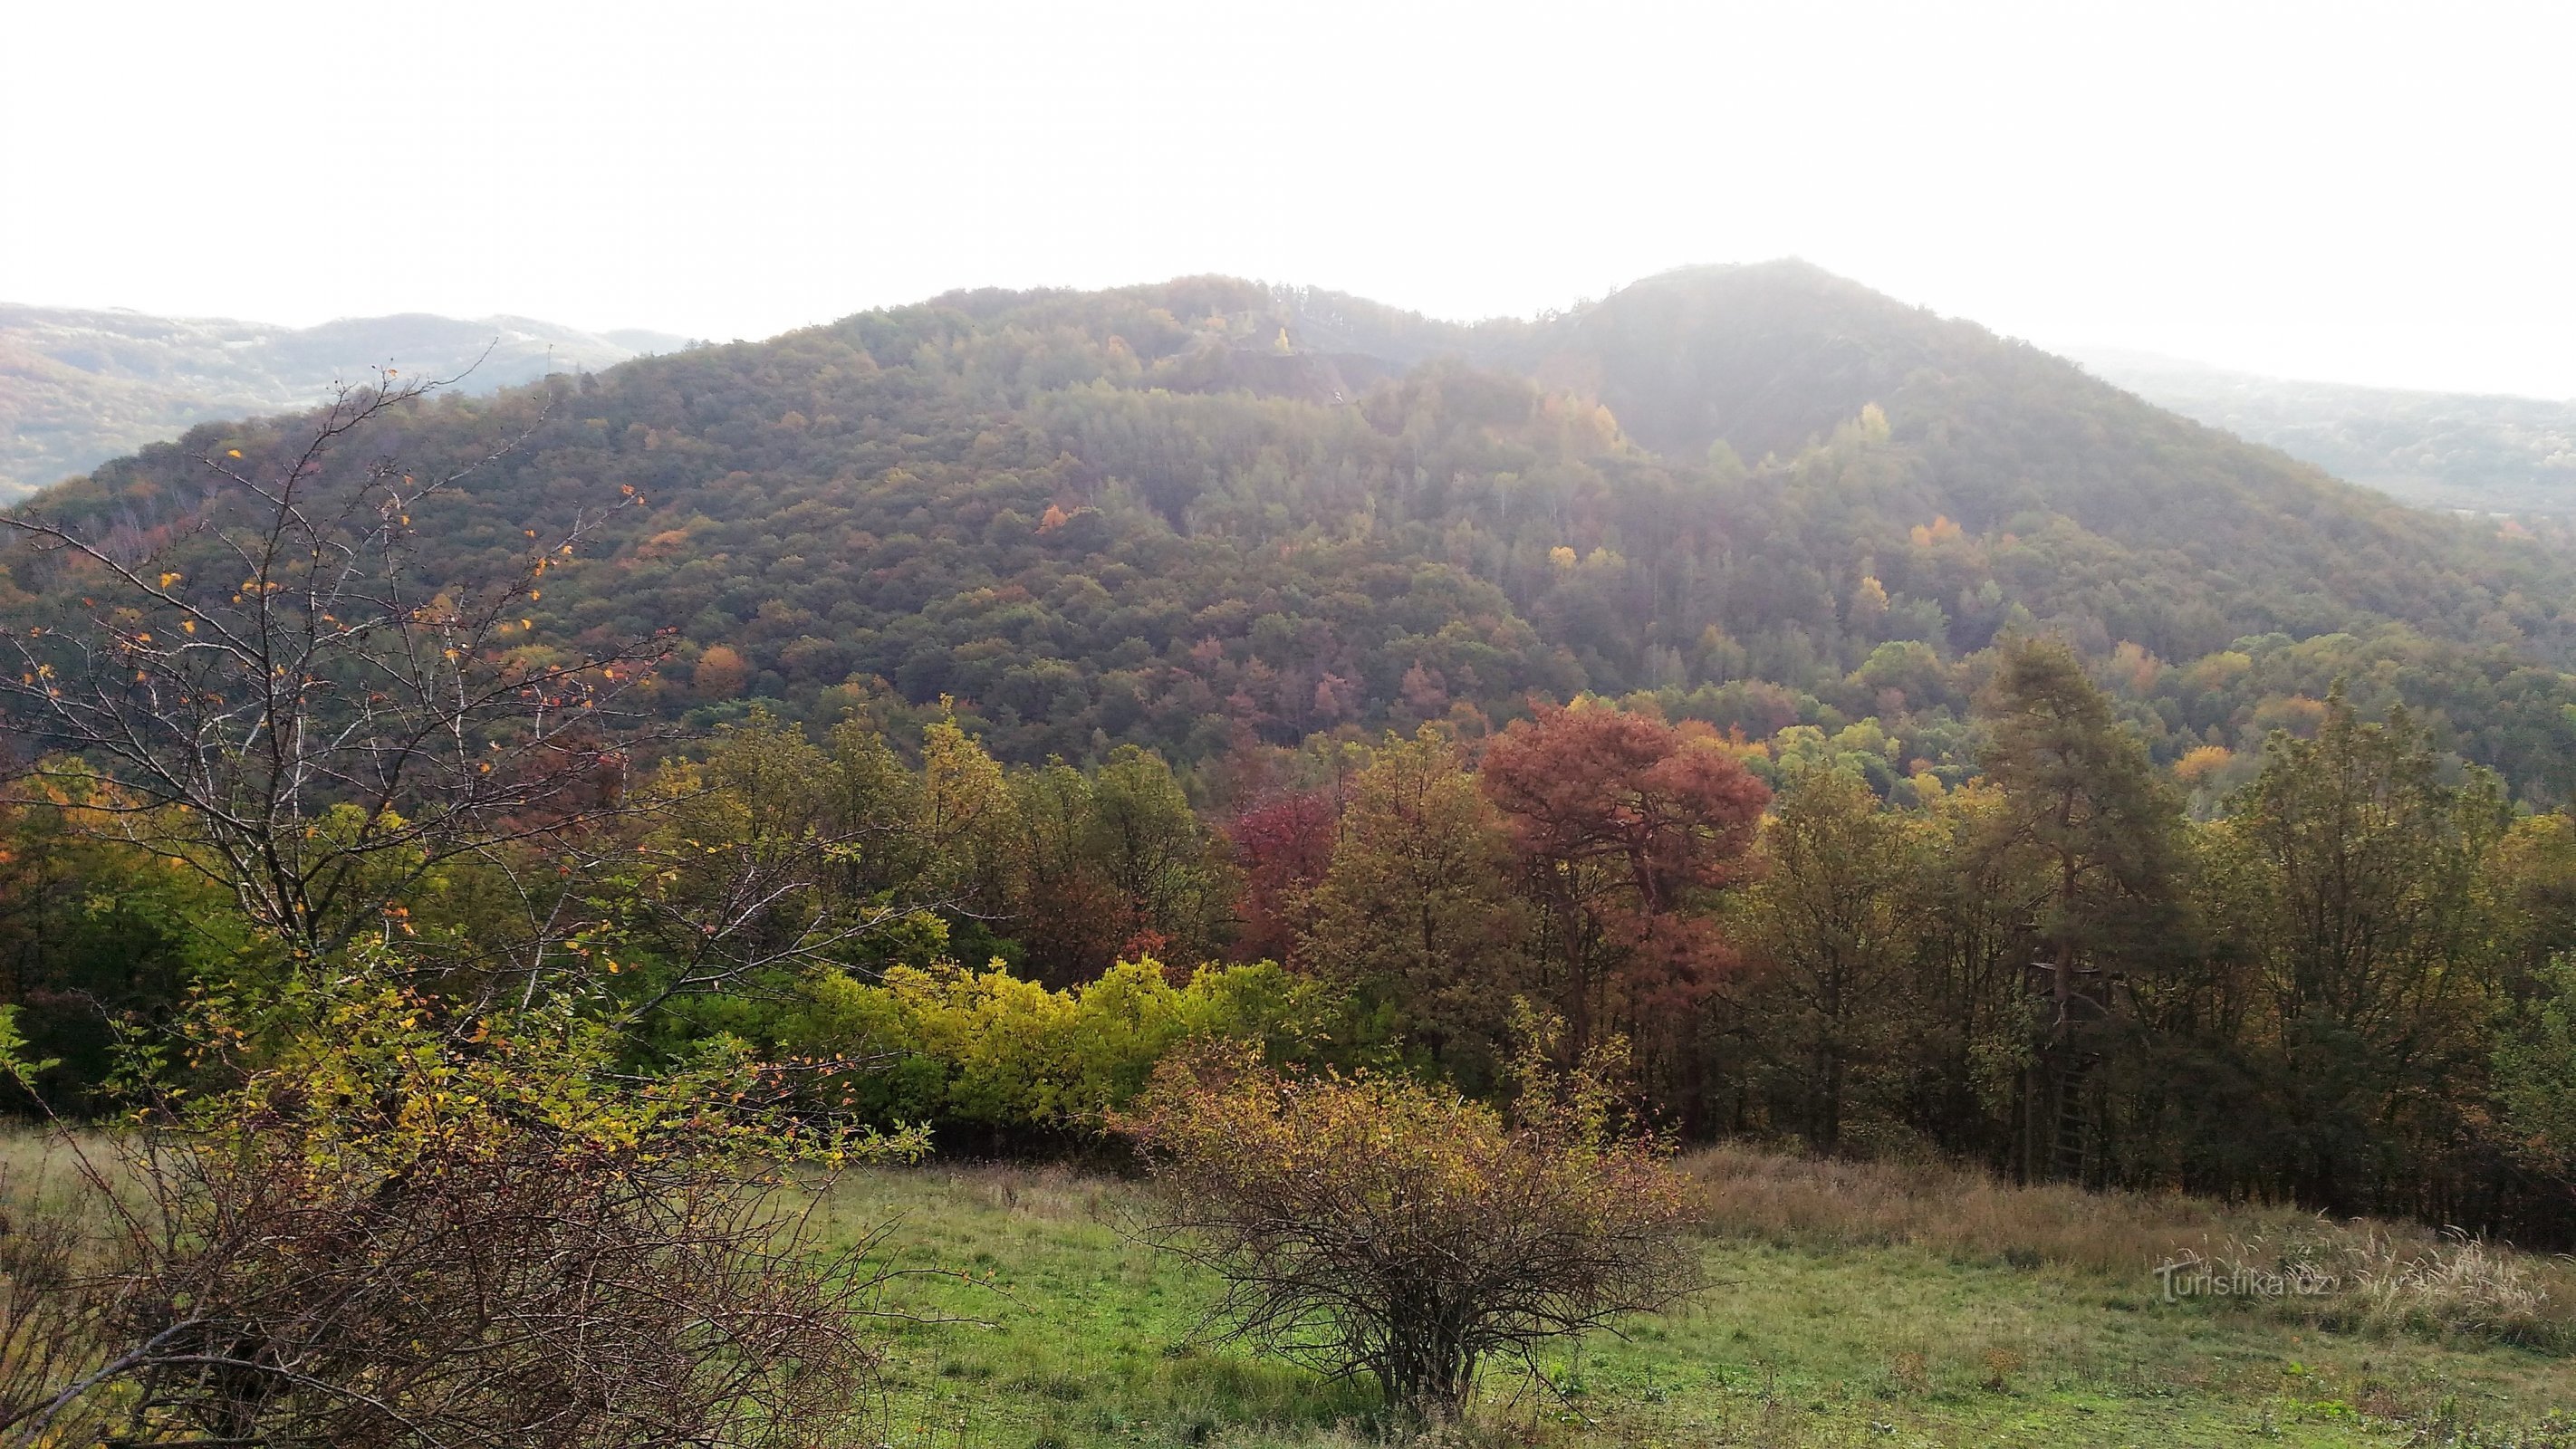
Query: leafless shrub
{"type": "Point", "coordinates": [46, 1330]}
{"type": "Point", "coordinates": [389, 1240]}
{"type": "Point", "coordinates": [269, 690]}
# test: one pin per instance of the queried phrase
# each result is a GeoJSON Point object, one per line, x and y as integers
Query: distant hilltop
{"type": "Point", "coordinates": [80, 386]}
{"type": "Point", "coordinates": [2467, 452]}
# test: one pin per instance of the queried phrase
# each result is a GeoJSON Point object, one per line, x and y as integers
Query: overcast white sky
{"type": "Point", "coordinates": [2335, 190]}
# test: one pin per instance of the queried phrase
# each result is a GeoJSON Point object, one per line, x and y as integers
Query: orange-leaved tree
{"type": "Point", "coordinates": [1626, 827]}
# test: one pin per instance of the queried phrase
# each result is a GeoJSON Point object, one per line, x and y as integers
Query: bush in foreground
{"type": "Point", "coordinates": [1375, 1224]}
{"type": "Point", "coordinates": [396, 1227]}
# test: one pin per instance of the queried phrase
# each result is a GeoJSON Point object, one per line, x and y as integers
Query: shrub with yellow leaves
{"type": "Point", "coordinates": [1370, 1223]}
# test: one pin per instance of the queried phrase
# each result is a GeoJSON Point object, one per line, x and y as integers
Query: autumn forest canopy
{"type": "Point", "coordinates": [1207, 513]}
{"type": "Point", "coordinates": [1228, 720]}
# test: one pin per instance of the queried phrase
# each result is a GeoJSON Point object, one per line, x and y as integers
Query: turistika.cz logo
{"type": "Point", "coordinates": [2196, 1277]}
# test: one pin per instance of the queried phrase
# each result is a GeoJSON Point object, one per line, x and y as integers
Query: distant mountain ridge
{"type": "Point", "coordinates": [79, 386]}
{"type": "Point", "coordinates": [2482, 453]}
{"type": "Point", "coordinates": [1208, 511]}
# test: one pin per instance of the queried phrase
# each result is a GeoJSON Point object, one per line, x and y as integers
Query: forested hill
{"type": "Point", "coordinates": [1205, 511]}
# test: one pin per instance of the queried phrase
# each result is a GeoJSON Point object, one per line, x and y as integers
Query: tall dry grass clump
{"type": "Point", "coordinates": [2359, 1276]}
{"type": "Point", "coordinates": [1960, 1212]}
{"type": "Point", "coordinates": [2373, 1277]}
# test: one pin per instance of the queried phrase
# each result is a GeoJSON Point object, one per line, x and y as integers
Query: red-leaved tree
{"type": "Point", "coordinates": [1283, 845]}
{"type": "Point", "coordinates": [1625, 826]}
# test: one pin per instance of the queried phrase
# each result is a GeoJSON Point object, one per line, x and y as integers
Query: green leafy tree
{"type": "Point", "coordinates": [2376, 942]}
{"type": "Point", "coordinates": [1160, 861]}
{"type": "Point", "coordinates": [100, 941]}
{"type": "Point", "coordinates": [1113, 863]}
{"type": "Point", "coordinates": [1416, 915]}
{"type": "Point", "coordinates": [1830, 927]}
{"type": "Point", "coordinates": [2535, 1074]}
{"type": "Point", "coordinates": [772, 856]}
{"type": "Point", "coordinates": [1978, 1042]}
{"type": "Point", "coordinates": [2085, 815]}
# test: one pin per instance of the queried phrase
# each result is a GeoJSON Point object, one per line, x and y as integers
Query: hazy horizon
{"type": "Point", "coordinates": [2082, 352]}
{"type": "Point", "coordinates": [2302, 191]}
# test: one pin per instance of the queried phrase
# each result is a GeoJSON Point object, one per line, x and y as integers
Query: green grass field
{"type": "Point", "coordinates": [1080, 1340]}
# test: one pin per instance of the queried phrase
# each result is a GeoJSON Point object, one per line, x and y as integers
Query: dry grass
{"type": "Point", "coordinates": [2369, 1277]}
{"type": "Point", "coordinates": [2359, 1276]}
{"type": "Point", "coordinates": [25, 1155]}
{"type": "Point", "coordinates": [1961, 1212]}
{"type": "Point", "coordinates": [40, 1172]}
{"type": "Point", "coordinates": [1034, 1191]}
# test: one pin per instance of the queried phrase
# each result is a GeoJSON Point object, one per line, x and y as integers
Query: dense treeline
{"type": "Point", "coordinates": [2345, 987]}
{"type": "Point", "coordinates": [1204, 513]}
{"type": "Point", "coordinates": [2344, 983]}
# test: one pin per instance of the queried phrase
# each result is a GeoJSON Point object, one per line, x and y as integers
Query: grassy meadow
{"type": "Point", "coordinates": [1855, 1305]}
{"type": "Point", "coordinates": [1850, 1304]}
